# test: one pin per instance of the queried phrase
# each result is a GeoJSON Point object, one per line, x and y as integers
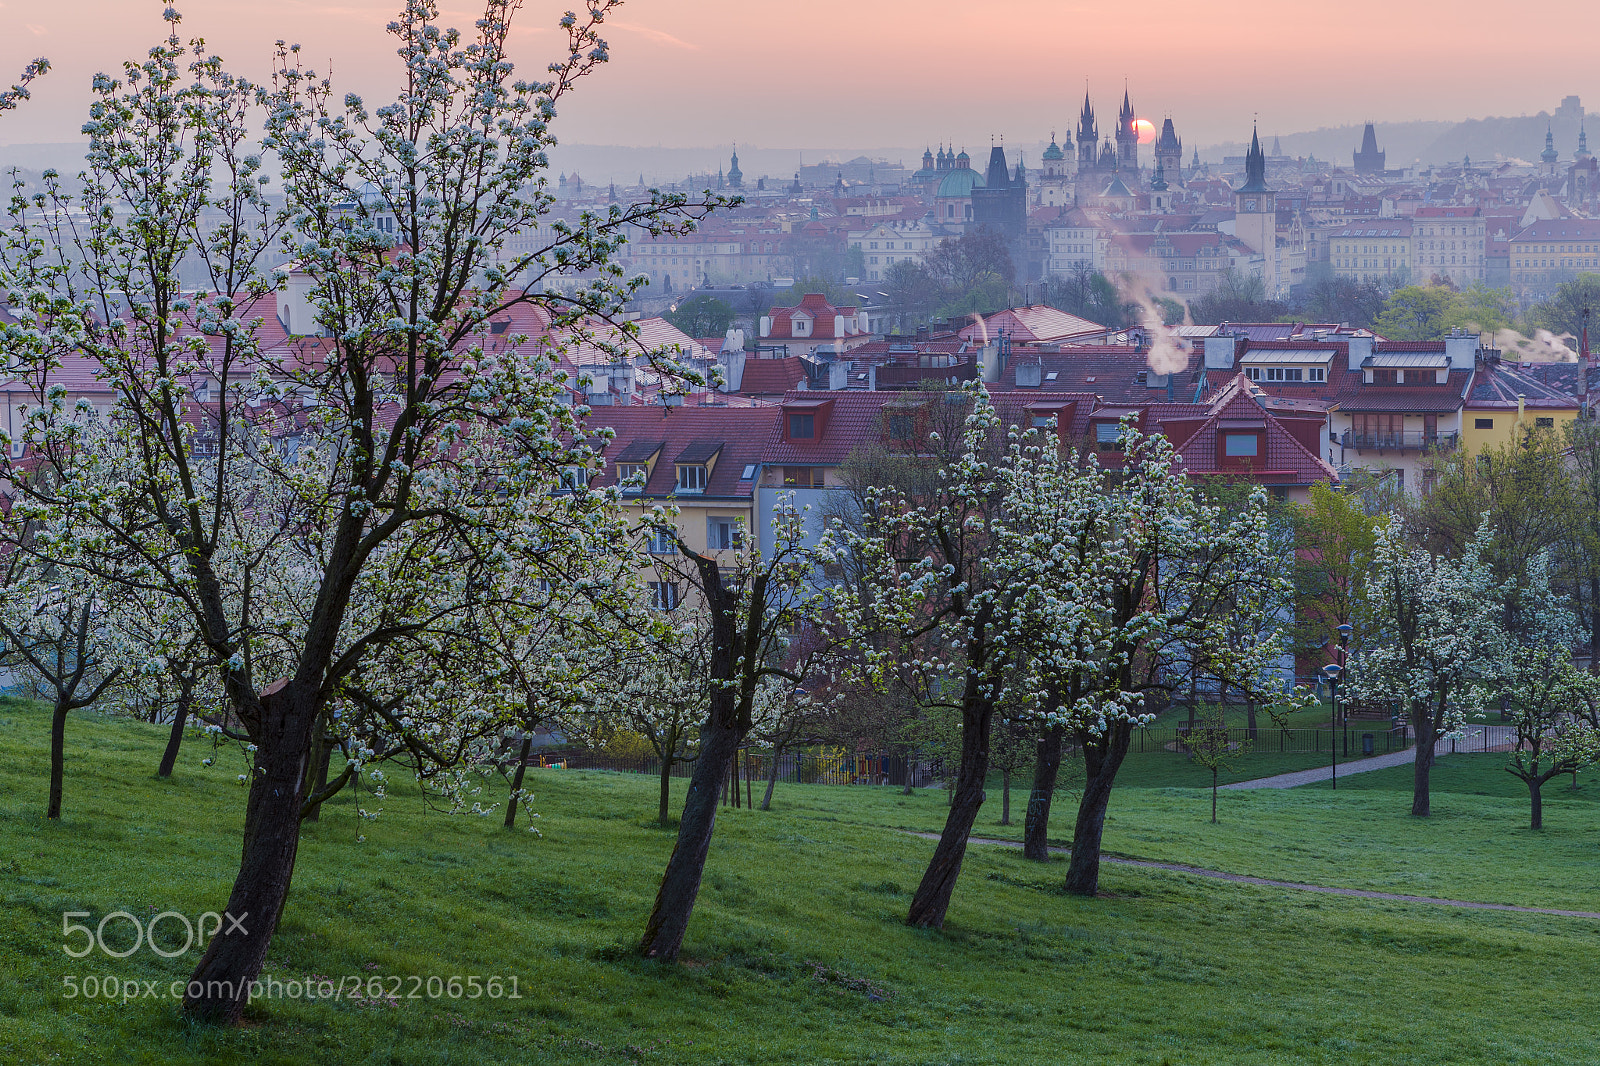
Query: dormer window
{"type": "Point", "coordinates": [635, 472]}
{"type": "Point", "coordinates": [802, 427]}
{"type": "Point", "coordinates": [1241, 445]}
{"type": "Point", "coordinates": [691, 477]}
{"type": "Point", "coordinates": [1108, 436]}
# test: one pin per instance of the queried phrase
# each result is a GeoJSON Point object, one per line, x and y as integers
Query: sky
{"type": "Point", "coordinates": [838, 73]}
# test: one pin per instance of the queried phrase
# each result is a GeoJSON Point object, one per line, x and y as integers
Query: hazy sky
{"type": "Point", "coordinates": [895, 72]}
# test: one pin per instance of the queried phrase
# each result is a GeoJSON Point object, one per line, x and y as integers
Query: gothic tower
{"type": "Point", "coordinates": [1169, 151]}
{"type": "Point", "coordinates": [1127, 140]}
{"type": "Point", "coordinates": [1256, 216]}
{"type": "Point", "coordinates": [1088, 137]}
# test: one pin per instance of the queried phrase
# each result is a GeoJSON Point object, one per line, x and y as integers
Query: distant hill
{"type": "Point", "coordinates": [1484, 139]}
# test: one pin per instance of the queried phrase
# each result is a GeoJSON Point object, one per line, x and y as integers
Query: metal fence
{"type": "Point", "coordinates": [803, 768]}
{"type": "Point", "coordinates": [1354, 738]}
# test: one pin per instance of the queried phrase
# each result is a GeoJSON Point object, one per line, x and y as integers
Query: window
{"type": "Point", "coordinates": [630, 472]}
{"type": "Point", "coordinates": [661, 541]}
{"type": "Point", "coordinates": [1043, 420]}
{"type": "Point", "coordinates": [663, 595]}
{"type": "Point", "coordinates": [574, 478]}
{"type": "Point", "coordinates": [749, 472]}
{"type": "Point", "coordinates": [692, 477]}
{"type": "Point", "coordinates": [1544, 423]}
{"type": "Point", "coordinates": [1108, 436]}
{"type": "Point", "coordinates": [803, 477]}
{"type": "Point", "coordinates": [1240, 445]}
{"type": "Point", "coordinates": [724, 533]}
{"type": "Point", "coordinates": [1316, 373]}
{"type": "Point", "coordinates": [1483, 423]}
{"type": "Point", "coordinates": [901, 426]}
{"type": "Point", "coordinates": [802, 427]}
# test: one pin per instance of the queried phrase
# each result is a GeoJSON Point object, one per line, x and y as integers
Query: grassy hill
{"type": "Point", "coordinates": [797, 952]}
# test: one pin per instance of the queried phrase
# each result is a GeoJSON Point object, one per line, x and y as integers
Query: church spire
{"type": "Point", "coordinates": [1255, 166]}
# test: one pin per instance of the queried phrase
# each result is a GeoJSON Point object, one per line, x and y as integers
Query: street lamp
{"type": "Point", "coordinates": [1332, 671]}
{"type": "Point", "coordinates": [1344, 632]}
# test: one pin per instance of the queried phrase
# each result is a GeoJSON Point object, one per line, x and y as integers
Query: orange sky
{"type": "Point", "coordinates": [898, 72]}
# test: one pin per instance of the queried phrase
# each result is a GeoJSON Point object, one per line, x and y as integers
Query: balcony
{"type": "Point", "coordinates": [1411, 441]}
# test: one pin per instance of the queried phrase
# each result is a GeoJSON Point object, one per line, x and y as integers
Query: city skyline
{"type": "Point", "coordinates": [894, 72]}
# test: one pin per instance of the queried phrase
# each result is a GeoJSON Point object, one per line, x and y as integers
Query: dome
{"type": "Point", "coordinates": [1054, 151]}
{"type": "Point", "coordinates": [963, 159]}
{"type": "Point", "coordinates": [960, 182]}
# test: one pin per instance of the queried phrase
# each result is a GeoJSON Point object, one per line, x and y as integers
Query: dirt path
{"type": "Point", "coordinates": [1297, 886]}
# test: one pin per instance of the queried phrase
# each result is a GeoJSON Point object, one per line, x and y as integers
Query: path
{"type": "Point", "coordinates": [1298, 886]}
{"type": "Point", "coordinates": [1354, 766]}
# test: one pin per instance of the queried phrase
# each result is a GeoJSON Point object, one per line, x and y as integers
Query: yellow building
{"type": "Point", "coordinates": [1372, 249]}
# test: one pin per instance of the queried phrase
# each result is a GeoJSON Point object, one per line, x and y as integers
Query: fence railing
{"type": "Point", "coordinates": [1350, 739]}
{"type": "Point", "coordinates": [1409, 440]}
{"type": "Point", "coordinates": [804, 768]}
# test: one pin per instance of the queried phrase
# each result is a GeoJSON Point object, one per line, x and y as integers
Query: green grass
{"type": "Point", "coordinates": [797, 953]}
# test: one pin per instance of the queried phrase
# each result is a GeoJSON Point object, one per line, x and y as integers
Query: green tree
{"type": "Point", "coordinates": [1563, 312]}
{"type": "Point", "coordinates": [913, 292]}
{"type": "Point", "coordinates": [1209, 748]}
{"type": "Point", "coordinates": [702, 316]}
{"type": "Point", "coordinates": [1426, 312]}
{"type": "Point", "coordinates": [1089, 294]}
{"type": "Point", "coordinates": [987, 294]}
{"type": "Point", "coordinates": [1172, 311]}
{"type": "Point", "coordinates": [1334, 540]}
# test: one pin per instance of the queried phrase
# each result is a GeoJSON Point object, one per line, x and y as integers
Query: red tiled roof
{"type": "Point", "coordinates": [764, 377]}
{"type": "Point", "coordinates": [740, 432]}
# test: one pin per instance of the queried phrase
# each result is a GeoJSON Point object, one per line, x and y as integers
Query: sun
{"type": "Point", "coordinates": [1146, 130]}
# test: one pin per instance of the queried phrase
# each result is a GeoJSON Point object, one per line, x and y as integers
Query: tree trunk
{"type": "Point", "coordinates": [772, 779]}
{"type": "Point", "coordinates": [1213, 795]}
{"type": "Point", "coordinates": [1036, 823]}
{"type": "Point", "coordinates": [219, 987]}
{"type": "Point", "coordinates": [911, 774]}
{"type": "Point", "coordinates": [1536, 803]}
{"type": "Point", "coordinates": [1005, 796]}
{"type": "Point", "coordinates": [1102, 757]}
{"type": "Point", "coordinates": [58, 757]}
{"type": "Point", "coordinates": [1250, 717]}
{"type": "Point", "coordinates": [666, 788]}
{"type": "Point", "coordinates": [321, 754]}
{"type": "Point", "coordinates": [928, 906]}
{"type": "Point", "coordinates": [516, 781]}
{"type": "Point", "coordinates": [169, 758]}
{"type": "Point", "coordinates": [669, 918]}
{"type": "Point", "coordinates": [1427, 735]}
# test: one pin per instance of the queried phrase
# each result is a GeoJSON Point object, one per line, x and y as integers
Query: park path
{"type": "Point", "coordinates": [1354, 766]}
{"type": "Point", "coordinates": [1296, 886]}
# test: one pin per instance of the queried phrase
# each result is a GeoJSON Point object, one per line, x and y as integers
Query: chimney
{"type": "Point", "coordinates": [1461, 348]}
{"type": "Point", "coordinates": [732, 360]}
{"type": "Point", "coordinates": [838, 375]}
{"type": "Point", "coordinates": [766, 325]}
{"type": "Point", "coordinates": [1522, 405]}
{"type": "Point", "coordinates": [1360, 350]}
{"type": "Point", "coordinates": [872, 378]}
{"type": "Point", "coordinates": [1220, 351]}
{"type": "Point", "coordinates": [1029, 375]}
{"type": "Point", "coordinates": [1583, 366]}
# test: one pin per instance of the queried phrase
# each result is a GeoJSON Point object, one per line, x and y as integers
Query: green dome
{"type": "Point", "coordinates": [960, 182]}
{"type": "Point", "coordinates": [1054, 151]}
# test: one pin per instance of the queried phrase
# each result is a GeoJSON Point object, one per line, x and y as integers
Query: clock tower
{"type": "Point", "coordinates": [1256, 216]}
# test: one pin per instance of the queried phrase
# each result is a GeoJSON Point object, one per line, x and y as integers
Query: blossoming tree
{"type": "Point", "coordinates": [427, 441]}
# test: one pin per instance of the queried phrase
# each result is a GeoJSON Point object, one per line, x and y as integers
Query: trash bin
{"type": "Point", "coordinates": [1366, 744]}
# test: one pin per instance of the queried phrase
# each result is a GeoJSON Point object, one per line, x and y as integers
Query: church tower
{"type": "Point", "coordinates": [1160, 198]}
{"type": "Point", "coordinates": [1169, 151]}
{"type": "Point", "coordinates": [1127, 140]}
{"type": "Point", "coordinates": [1088, 137]}
{"type": "Point", "coordinates": [735, 175]}
{"type": "Point", "coordinates": [1256, 216]}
